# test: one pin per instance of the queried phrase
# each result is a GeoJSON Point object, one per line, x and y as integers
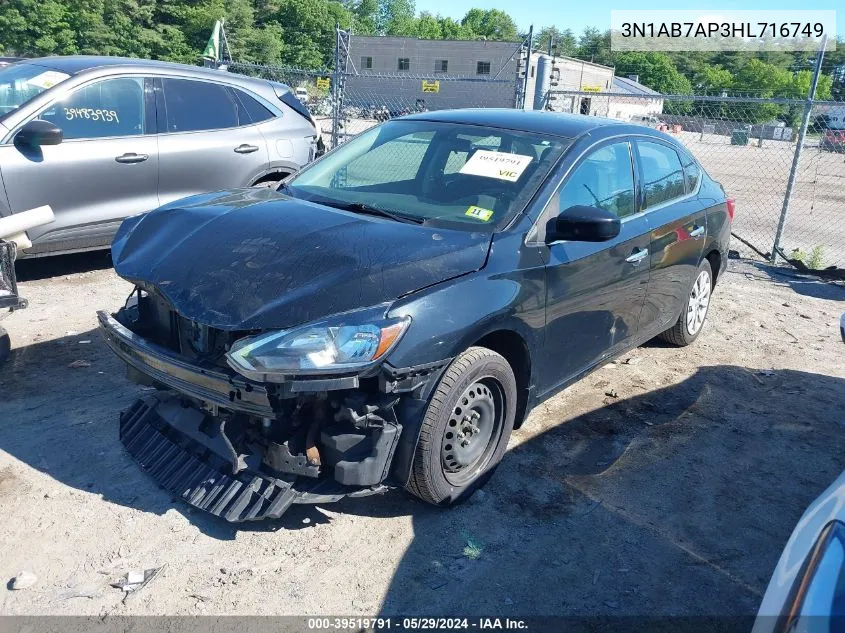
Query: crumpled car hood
{"type": "Point", "coordinates": [255, 259]}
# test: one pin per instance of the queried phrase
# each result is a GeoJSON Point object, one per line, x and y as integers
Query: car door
{"type": "Point", "coordinates": [677, 219]}
{"type": "Point", "coordinates": [105, 168]}
{"type": "Point", "coordinates": [206, 144]}
{"type": "Point", "coordinates": [595, 291]}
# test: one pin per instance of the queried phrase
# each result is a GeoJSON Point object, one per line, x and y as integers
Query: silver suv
{"type": "Point", "coordinates": [103, 138]}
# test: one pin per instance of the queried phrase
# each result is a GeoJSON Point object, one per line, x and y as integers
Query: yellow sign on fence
{"type": "Point", "coordinates": [430, 86]}
{"type": "Point", "coordinates": [324, 83]}
{"type": "Point", "coordinates": [590, 88]}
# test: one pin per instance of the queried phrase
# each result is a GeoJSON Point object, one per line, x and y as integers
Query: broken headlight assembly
{"type": "Point", "coordinates": [348, 342]}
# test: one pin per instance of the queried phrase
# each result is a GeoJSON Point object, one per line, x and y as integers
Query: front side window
{"type": "Point", "coordinates": [482, 68]}
{"type": "Point", "coordinates": [112, 107]}
{"type": "Point", "coordinates": [604, 179]}
{"type": "Point", "coordinates": [404, 63]}
{"type": "Point", "coordinates": [198, 105]}
{"type": "Point", "coordinates": [21, 82]}
{"type": "Point", "coordinates": [459, 175]}
{"type": "Point", "coordinates": [663, 176]}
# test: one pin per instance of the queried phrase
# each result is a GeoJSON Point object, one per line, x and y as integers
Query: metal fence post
{"type": "Point", "coordinates": [336, 89]}
{"type": "Point", "coordinates": [796, 159]}
{"type": "Point", "coordinates": [527, 66]}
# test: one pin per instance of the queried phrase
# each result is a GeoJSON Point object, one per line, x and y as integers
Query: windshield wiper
{"type": "Point", "coordinates": [366, 209]}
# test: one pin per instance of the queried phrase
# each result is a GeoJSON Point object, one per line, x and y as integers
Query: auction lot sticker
{"type": "Point", "coordinates": [496, 165]}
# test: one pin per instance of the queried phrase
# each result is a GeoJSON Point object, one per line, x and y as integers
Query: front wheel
{"type": "Point", "coordinates": [691, 321]}
{"type": "Point", "coordinates": [466, 428]}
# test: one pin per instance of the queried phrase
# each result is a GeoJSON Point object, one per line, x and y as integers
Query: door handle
{"type": "Point", "coordinates": [131, 157]}
{"type": "Point", "coordinates": [246, 149]}
{"type": "Point", "coordinates": [637, 256]}
{"type": "Point", "coordinates": [697, 232]}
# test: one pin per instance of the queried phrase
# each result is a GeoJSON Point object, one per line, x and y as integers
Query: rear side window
{"type": "Point", "coordinates": [605, 179]}
{"type": "Point", "coordinates": [198, 105]}
{"type": "Point", "coordinates": [692, 172]}
{"type": "Point", "coordinates": [250, 110]}
{"type": "Point", "coordinates": [112, 107]}
{"type": "Point", "coordinates": [663, 176]}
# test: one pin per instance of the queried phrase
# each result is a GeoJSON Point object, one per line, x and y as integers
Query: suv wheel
{"type": "Point", "coordinates": [691, 321]}
{"type": "Point", "coordinates": [466, 428]}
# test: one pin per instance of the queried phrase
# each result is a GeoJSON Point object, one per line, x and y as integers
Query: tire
{"type": "Point", "coordinates": [687, 329]}
{"type": "Point", "coordinates": [446, 472]}
{"type": "Point", "coordinates": [5, 345]}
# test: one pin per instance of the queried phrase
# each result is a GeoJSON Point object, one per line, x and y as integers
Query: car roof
{"type": "Point", "coordinates": [74, 64]}
{"type": "Point", "coordinates": [535, 121]}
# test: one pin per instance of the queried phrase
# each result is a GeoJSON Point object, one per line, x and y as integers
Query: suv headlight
{"type": "Point", "coordinates": [351, 341]}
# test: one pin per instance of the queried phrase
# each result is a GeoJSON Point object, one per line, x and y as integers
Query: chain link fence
{"type": "Point", "coordinates": [741, 143]}
{"type": "Point", "coordinates": [371, 98]}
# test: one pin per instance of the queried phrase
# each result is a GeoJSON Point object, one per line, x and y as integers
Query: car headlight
{"type": "Point", "coordinates": [346, 342]}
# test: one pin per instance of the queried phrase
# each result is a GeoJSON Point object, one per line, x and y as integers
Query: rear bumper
{"type": "Point", "coordinates": [213, 386]}
{"type": "Point", "coordinates": [192, 469]}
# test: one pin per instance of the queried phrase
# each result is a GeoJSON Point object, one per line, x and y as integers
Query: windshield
{"type": "Point", "coordinates": [21, 82]}
{"type": "Point", "coordinates": [461, 175]}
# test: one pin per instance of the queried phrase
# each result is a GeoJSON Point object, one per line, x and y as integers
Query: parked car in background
{"type": "Point", "coordinates": [102, 138]}
{"type": "Point", "coordinates": [398, 307]}
{"type": "Point", "coordinates": [302, 94]}
{"type": "Point", "coordinates": [833, 141]}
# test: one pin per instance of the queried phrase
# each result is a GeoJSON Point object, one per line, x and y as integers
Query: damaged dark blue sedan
{"type": "Point", "coordinates": [391, 313]}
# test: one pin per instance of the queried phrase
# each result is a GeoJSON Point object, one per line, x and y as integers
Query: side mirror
{"type": "Point", "coordinates": [583, 224]}
{"type": "Point", "coordinates": [37, 133]}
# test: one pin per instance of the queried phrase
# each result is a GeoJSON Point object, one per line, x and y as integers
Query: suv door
{"type": "Point", "coordinates": [105, 168]}
{"type": "Point", "coordinates": [208, 140]}
{"type": "Point", "coordinates": [595, 291]}
{"type": "Point", "coordinates": [677, 219]}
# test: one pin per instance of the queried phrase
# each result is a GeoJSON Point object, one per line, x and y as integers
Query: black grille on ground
{"type": "Point", "coordinates": [188, 469]}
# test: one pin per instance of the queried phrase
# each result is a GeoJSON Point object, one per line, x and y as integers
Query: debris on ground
{"type": "Point", "coordinates": [633, 360]}
{"type": "Point", "coordinates": [77, 364]}
{"type": "Point", "coordinates": [611, 393]}
{"type": "Point", "coordinates": [24, 580]}
{"type": "Point", "coordinates": [137, 579]}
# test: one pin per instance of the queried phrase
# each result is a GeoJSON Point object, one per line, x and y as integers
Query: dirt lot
{"type": "Point", "coordinates": [674, 498]}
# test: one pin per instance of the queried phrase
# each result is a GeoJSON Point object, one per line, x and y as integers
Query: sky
{"type": "Point", "coordinates": [577, 15]}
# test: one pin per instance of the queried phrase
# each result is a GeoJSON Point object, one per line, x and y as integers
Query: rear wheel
{"type": "Point", "coordinates": [466, 428]}
{"type": "Point", "coordinates": [691, 321]}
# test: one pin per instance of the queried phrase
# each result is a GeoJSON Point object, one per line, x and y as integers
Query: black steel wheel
{"type": "Point", "coordinates": [466, 428]}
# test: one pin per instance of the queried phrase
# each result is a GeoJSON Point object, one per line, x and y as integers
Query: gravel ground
{"type": "Point", "coordinates": [674, 498]}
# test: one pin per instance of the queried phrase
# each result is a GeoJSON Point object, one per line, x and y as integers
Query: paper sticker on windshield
{"type": "Point", "coordinates": [47, 79]}
{"type": "Point", "coordinates": [496, 165]}
{"type": "Point", "coordinates": [479, 213]}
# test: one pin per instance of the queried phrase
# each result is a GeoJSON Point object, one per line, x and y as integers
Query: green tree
{"type": "Point", "coordinates": [396, 17]}
{"type": "Point", "coordinates": [37, 27]}
{"type": "Point", "coordinates": [428, 27]}
{"type": "Point", "coordinates": [594, 46]}
{"type": "Point", "coordinates": [492, 24]}
{"type": "Point", "coordinates": [309, 30]}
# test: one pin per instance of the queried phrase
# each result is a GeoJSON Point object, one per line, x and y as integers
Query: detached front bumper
{"type": "Point", "coordinates": [166, 368]}
{"type": "Point", "coordinates": [158, 432]}
{"type": "Point", "coordinates": [181, 435]}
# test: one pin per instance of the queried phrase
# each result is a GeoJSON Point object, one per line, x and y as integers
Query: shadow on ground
{"type": "Point", "coordinates": [804, 284]}
{"type": "Point", "coordinates": [57, 265]}
{"type": "Point", "coordinates": [701, 481]}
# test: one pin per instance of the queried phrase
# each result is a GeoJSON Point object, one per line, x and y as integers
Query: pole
{"type": "Point", "coordinates": [796, 159]}
{"type": "Point", "coordinates": [335, 89]}
{"type": "Point", "coordinates": [527, 65]}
